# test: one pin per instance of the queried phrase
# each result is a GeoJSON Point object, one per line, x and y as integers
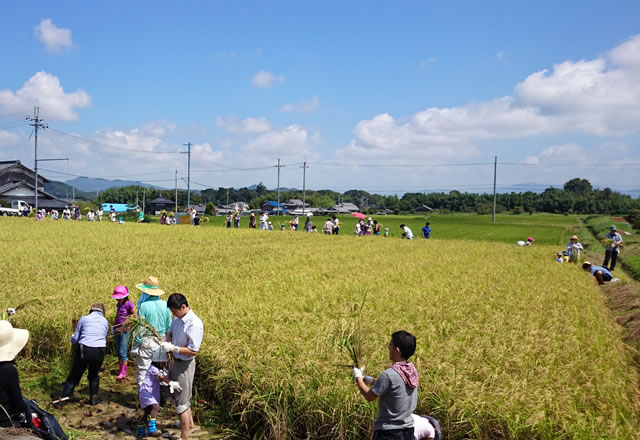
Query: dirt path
{"type": "Point", "coordinates": [623, 299]}
{"type": "Point", "coordinates": [116, 416]}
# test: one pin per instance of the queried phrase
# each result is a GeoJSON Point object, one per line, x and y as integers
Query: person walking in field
{"type": "Point", "coordinates": [426, 230]}
{"type": "Point", "coordinates": [406, 232]}
{"type": "Point", "coordinates": [264, 218]}
{"type": "Point", "coordinates": [90, 340]}
{"type": "Point", "coordinates": [124, 309]}
{"type": "Point", "coordinates": [336, 225]}
{"type": "Point", "coordinates": [186, 335]}
{"type": "Point", "coordinates": [155, 312]}
{"type": "Point", "coordinates": [613, 247]}
{"type": "Point", "coordinates": [252, 221]}
{"type": "Point", "coordinates": [396, 388]}
{"type": "Point", "coordinates": [573, 248]}
{"type": "Point", "coordinates": [237, 220]}
{"type": "Point", "coordinates": [100, 213]}
{"type": "Point", "coordinates": [307, 224]}
{"type": "Point", "coordinates": [376, 227]}
{"type": "Point", "coordinates": [328, 227]}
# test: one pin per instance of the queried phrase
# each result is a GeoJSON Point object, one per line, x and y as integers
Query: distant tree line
{"type": "Point", "coordinates": [576, 197]}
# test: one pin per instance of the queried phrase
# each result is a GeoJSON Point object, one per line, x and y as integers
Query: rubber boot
{"type": "Point", "coordinates": [142, 431]}
{"type": "Point", "coordinates": [67, 389]}
{"type": "Point", "coordinates": [152, 428]}
{"type": "Point", "coordinates": [94, 387]}
{"type": "Point", "coordinates": [123, 371]}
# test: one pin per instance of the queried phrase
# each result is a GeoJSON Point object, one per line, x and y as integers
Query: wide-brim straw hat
{"type": "Point", "coordinates": [150, 287]}
{"type": "Point", "coordinates": [120, 292]}
{"type": "Point", "coordinates": [12, 340]}
{"type": "Point", "coordinates": [573, 237]}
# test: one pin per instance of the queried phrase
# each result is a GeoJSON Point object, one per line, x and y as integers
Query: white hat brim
{"type": "Point", "coordinates": [9, 351]}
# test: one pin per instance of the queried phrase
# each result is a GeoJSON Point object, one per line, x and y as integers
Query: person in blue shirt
{"type": "Point", "coordinates": [426, 230]}
{"type": "Point", "coordinates": [90, 340]}
{"type": "Point", "coordinates": [600, 273]}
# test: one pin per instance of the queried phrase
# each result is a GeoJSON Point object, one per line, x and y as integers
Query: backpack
{"type": "Point", "coordinates": [42, 423]}
{"type": "Point", "coordinates": [436, 426]}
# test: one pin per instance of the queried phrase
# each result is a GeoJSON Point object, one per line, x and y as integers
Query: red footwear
{"type": "Point", "coordinates": [123, 371]}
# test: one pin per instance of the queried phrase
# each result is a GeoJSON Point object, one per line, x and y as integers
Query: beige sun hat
{"type": "Point", "coordinates": [573, 237]}
{"type": "Point", "coordinates": [150, 287]}
{"type": "Point", "coordinates": [12, 340]}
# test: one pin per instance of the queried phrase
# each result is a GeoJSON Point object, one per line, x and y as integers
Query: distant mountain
{"type": "Point", "coordinates": [282, 188]}
{"type": "Point", "coordinates": [92, 185]}
{"type": "Point", "coordinates": [63, 191]}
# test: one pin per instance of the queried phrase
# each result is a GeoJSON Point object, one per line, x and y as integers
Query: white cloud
{"type": "Point", "coordinates": [425, 63]}
{"type": "Point", "coordinates": [43, 89]}
{"type": "Point", "coordinates": [266, 80]}
{"type": "Point", "coordinates": [599, 96]}
{"type": "Point", "coordinates": [233, 124]}
{"type": "Point", "coordinates": [53, 37]}
{"type": "Point", "coordinates": [8, 138]}
{"type": "Point", "coordinates": [205, 154]}
{"type": "Point", "coordinates": [304, 106]}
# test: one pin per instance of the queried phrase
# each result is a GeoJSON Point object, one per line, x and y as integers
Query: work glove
{"type": "Point", "coordinates": [11, 311]}
{"type": "Point", "coordinates": [357, 373]}
{"type": "Point", "coordinates": [368, 380]}
{"type": "Point", "coordinates": [174, 386]}
{"type": "Point", "coordinates": [169, 347]}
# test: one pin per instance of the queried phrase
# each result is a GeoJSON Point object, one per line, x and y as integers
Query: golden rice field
{"type": "Point", "coordinates": [510, 344]}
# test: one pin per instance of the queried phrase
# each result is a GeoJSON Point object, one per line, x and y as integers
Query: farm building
{"type": "Point", "coordinates": [272, 206]}
{"type": "Point", "coordinates": [16, 183]}
{"type": "Point", "coordinates": [345, 208]}
{"type": "Point", "coordinates": [161, 204]}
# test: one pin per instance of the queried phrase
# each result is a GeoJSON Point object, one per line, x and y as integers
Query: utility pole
{"type": "Point", "coordinates": [144, 194]}
{"type": "Point", "coordinates": [188, 153]}
{"type": "Point", "coordinates": [74, 195]}
{"type": "Point", "coordinates": [37, 123]}
{"type": "Point", "coordinates": [304, 185]}
{"type": "Point", "coordinates": [227, 197]}
{"type": "Point", "coordinates": [176, 210]}
{"type": "Point", "coordinates": [495, 170]}
{"type": "Point", "coordinates": [279, 166]}
{"type": "Point", "coordinates": [137, 197]}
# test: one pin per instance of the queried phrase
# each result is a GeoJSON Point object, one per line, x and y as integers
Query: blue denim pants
{"type": "Point", "coordinates": [122, 345]}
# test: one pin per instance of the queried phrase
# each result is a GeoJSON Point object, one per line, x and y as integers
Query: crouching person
{"type": "Point", "coordinates": [600, 273]}
{"type": "Point", "coordinates": [185, 334]}
{"type": "Point", "coordinates": [397, 389]}
{"type": "Point", "coordinates": [149, 397]}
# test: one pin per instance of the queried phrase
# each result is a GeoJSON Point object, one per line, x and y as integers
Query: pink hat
{"type": "Point", "coordinates": [120, 292]}
{"type": "Point", "coordinates": [530, 239]}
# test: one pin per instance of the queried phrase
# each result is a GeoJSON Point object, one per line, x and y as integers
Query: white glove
{"type": "Point", "coordinates": [174, 386]}
{"type": "Point", "coordinates": [368, 380]}
{"type": "Point", "coordinates": [169, 347]}
{"type": "Point", "coordinates": [11, 311]}
{"type": "Point", "coordinates": [357, 372]}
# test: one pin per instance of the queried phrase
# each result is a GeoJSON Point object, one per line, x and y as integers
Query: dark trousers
{"type": "Point", "coordinates": [393, 434]}
{"type": "Point", "coordinates": [85, 357]}
{"type": "Point", "coordinates": [613, 255]}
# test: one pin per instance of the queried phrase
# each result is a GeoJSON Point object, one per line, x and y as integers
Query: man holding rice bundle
{"type": "Point", "coordinates": [186, 336]}
{"type": "Point", "coordinates": [614, 240]}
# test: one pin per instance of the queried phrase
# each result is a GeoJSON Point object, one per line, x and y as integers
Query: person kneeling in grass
{"type": "Point", "coordinates": [397, 388]}
{"type": "Point", "coordinates": [600, 273]}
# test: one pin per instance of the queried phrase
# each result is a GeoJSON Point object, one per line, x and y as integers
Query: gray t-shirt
{"type": "Point", "coordinates": [396, 401]}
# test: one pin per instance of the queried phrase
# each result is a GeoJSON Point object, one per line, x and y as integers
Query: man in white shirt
{"type": "Point", "coordinates": [613, 248]}
{"type": "Point", "coordinates": [406, 232]}
{"type": "Point", "coordinates": [100, 213]}
{"type": "Point", "coordinates": [263, 221]}
{"type": "Point", "coordinates": [186, 334]}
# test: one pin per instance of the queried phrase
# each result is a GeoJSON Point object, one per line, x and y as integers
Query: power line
{"type": "Point", "coordinates": [102, 144]}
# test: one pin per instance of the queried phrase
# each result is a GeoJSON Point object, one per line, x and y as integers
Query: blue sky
{"type": "Point", "coordinates": [555, 85]}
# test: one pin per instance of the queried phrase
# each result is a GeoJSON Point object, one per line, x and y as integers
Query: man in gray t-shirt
{"type": "Point", "coordinates": [397, 389]}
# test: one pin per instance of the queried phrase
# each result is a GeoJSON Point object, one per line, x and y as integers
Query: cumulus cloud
{"type": "Point", "coordinates": [53, 37]}
{"type": "Point", "coordinates": [266, 80]}
{"type": "Point", "coordinates": [233, 124]}
{"type": "Point", "coordinates": [44, 89]}
{"type": "Point", "coordinates": [304, 106]}
{"type": "Point", "coordinates": [8, 138]}
{"type": "Point", "coordinates": [599, 97]}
